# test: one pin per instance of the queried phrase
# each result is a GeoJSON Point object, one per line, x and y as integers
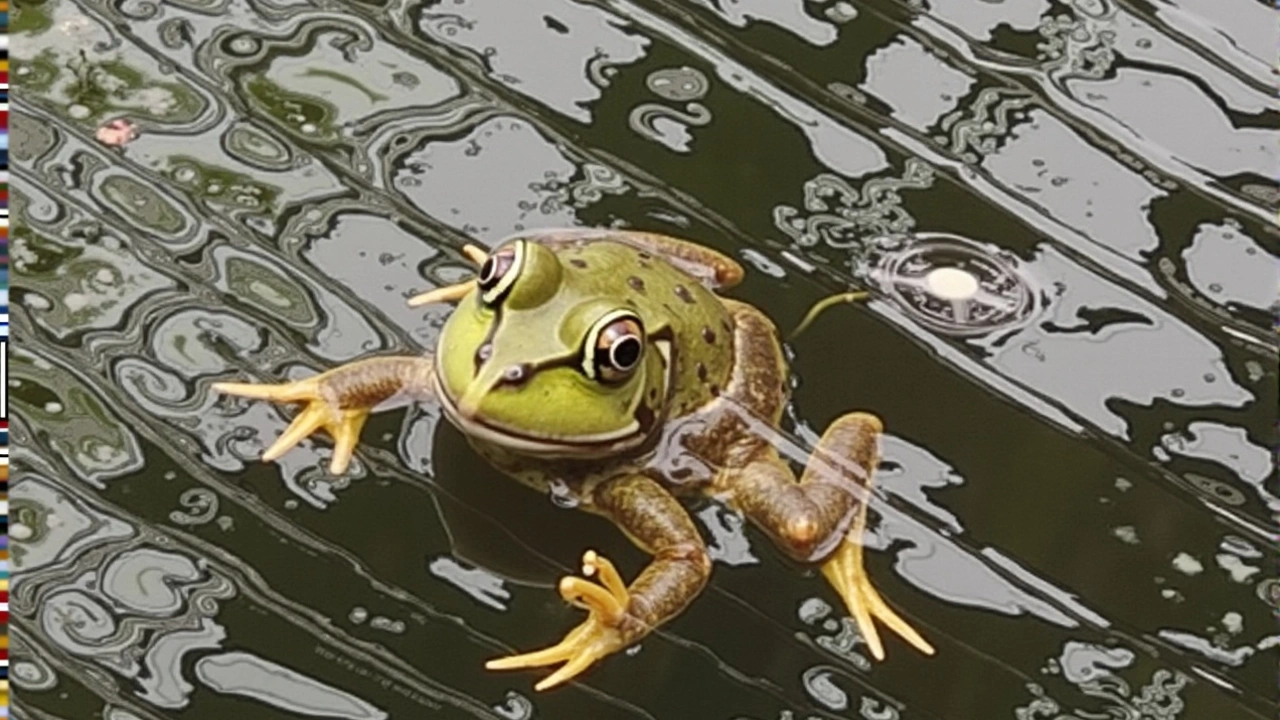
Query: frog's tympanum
{"type": "Point", "coordinates": [605, 362]}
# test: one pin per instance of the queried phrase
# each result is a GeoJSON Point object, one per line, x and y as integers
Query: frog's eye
{"type": "Point", "coordinates": [614, 348]}
{"type": "Point", "coordinates": [499, 273]}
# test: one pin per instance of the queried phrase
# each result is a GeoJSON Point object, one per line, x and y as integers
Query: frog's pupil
{"type": "Point", "coordinates": [625, 352]}
{"type": "Point", "coordinates": [488, 271]}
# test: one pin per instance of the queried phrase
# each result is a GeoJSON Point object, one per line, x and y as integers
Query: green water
{"type": "Point", "coordinates": [1077, 503]}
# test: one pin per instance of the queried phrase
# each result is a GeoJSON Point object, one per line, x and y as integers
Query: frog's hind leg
{"type": "Point", "coordinates": [822, 518]}
{"type": "Point", "coordinates": [620, 615]}
{"type": "Point", "coordinates": [339, 401]}
{"type": "Point", "coordinates": [855, 437]}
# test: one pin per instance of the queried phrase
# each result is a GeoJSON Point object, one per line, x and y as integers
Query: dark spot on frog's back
{"type": "Point", "coordinates": [578, 263]}
{"type": "Point", "coordinates": [645, 416]}
{"type": "Point", "coordinates": [702, 372]}
{"type": "Point", "coordinates": [636, 283]}
{"type": "Point", "coordinates": [683, 293]}
{"type": "Point", "coordinates": [709, 335]}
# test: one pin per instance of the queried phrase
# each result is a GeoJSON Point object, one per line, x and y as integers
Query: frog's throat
{"type": "Point", "coordinates": [464, 415]}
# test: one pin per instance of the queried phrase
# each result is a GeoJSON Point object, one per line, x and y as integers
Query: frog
{"type": "Point", "coordinates": [613, 364]}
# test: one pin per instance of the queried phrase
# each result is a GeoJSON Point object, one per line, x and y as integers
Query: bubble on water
{"type": "Point", "coordinates": [1238, 569]}
{"type": "Point", "coordinates": [1218, 490]}
{"type": "Point", "coordinates": [358, 615]}
{"type": "Point", "coordinates": [841, 12]}
{"type": "Point", "coordinates": [1127, 534]}
{"type": "Point", "coordinates": [955, 286]}
{"type": "Point", "coordinates": [1239, 546]}
{"type": "Point", "coordinates": [823, 689]}
{"type": "Point", "coordinates": [812, 610]}
{"type": "Point", "coordinates": [1187, 565]}
{"type": "Point", "coordinates": [33, 674]}
{"type": "Point", "coordinates": [1233, 622]}
{"type": "Point", "coordinates": [1269, 592]}
{"type": "Point", "coordinates": [678, 84]}
{"type": "Point", "coordinates": [243, 45]}
{"type": "Point", "coordinates": [516, 707]}
{"type": "Point", "coordinates": [387, 625]}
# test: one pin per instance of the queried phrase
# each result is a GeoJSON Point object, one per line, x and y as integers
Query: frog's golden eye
{"type": "Point", "coordinates": [614, 348]}
{"type": "Point", "coordinates": [499, 273]}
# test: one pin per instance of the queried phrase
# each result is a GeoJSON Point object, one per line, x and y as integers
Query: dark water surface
{"type": "Point", "coordinates": [1078, 499]}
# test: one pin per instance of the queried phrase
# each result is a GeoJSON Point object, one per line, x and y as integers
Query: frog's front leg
{"type": "Point", "coordinates": [339, 401]}
{"type": "Point", "coordinates": [821, 517]}
{"type": "Point", "coordinates": [620, 615]}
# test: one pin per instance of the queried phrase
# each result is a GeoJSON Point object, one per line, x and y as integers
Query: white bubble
{"type": "Point", "coordinates": [952, 283]}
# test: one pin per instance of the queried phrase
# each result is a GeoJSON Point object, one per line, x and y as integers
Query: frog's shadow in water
{"type": "Point", "coordinates": [510, 530]}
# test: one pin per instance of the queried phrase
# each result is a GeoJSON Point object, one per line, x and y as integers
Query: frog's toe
{"type": "Point", "coordinates": [453, 293]}
{"type": "Point", "coordinates": [580, 649]}
{"type": "Point", "coordinates": [845, 572]}
{"type": "Point", "coordinates": [446, 293]}
{"type": "Point", "coordinates": [599, 636]}
{"type": "Point", "coordinates": [282, 392]}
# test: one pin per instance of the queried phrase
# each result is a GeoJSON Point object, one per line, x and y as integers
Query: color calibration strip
{"type": "Point", "coordinates": [4, 358]}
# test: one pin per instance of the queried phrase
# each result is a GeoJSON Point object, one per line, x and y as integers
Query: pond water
{"type": "Point", "coordinates": [1077, 500]}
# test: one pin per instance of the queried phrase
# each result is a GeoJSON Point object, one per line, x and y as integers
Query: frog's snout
{"type": "Point", "coordinates": [469, 403]}
{"type": "Point", "coordinates": [514, 374]}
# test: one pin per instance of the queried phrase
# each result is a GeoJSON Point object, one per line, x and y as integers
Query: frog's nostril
{"type": "Point", "coordinates": [516, 374]}
{"type": "Point", "coordinates": [483, 353]}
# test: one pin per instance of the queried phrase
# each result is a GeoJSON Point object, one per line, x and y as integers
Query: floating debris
{"type": "Point", "coordinates": [117, 132]}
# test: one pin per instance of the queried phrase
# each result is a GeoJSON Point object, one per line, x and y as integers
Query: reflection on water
{"type": "Point", "coordinates": [1077, 496]}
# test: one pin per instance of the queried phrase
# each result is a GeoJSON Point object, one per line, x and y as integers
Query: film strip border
{"type": "Point", "coordinates": [4, 358]}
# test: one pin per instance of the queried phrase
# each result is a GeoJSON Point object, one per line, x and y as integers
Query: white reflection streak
{"type": "Point", "coordinates": [833, 144]}
{"type": "Point", "coordinates": [1101, 122]}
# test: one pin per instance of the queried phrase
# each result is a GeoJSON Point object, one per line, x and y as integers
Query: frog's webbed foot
{"type": "Point", "coordinates": [846, 574]}
{"type": "Point", "coordinates": [343, 425]}
{"type": "Point", "coordinates": [602, 634]}
{"type": "Point", "coordinates": [338, 401]}
{"type": "Point", "coordinates": [452, 293]}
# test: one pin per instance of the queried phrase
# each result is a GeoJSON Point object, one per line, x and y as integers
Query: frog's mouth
{"type": "Point", "coordinates": [597, 445]}
{"type": "Point", "coordinates": [577, 446]}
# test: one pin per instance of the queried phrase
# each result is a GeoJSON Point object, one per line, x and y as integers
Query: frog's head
{"type": "Point", "coordinates": [546, 359]}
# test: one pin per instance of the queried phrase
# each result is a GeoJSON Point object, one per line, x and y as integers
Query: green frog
{"type": "Point", "coordinates": [607, 362]}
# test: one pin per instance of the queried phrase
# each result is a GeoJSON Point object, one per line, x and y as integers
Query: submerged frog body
{"type": "Point", "coordinates": [606, 362]}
